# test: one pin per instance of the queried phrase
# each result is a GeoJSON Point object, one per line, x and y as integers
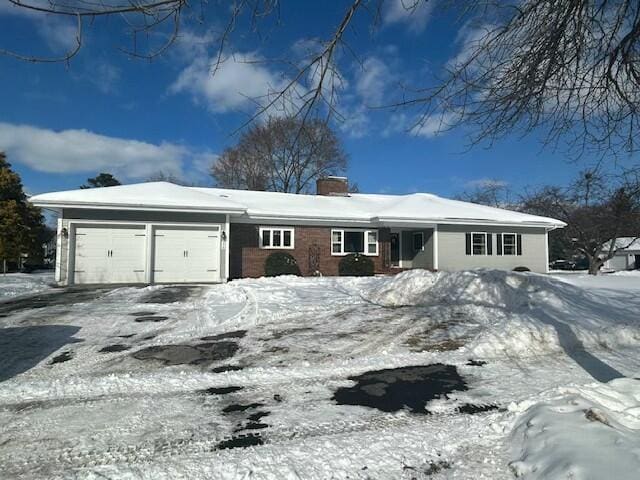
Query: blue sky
{"type": "Point", "coordinates": [106, 111]}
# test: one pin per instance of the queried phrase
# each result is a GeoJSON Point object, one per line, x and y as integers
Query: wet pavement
{"type": "Point", "coordinates": [402, 388]}
{"type": "Point", "coordinates": [188, 354]}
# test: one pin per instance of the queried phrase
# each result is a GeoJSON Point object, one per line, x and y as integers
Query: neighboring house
{"type": "Point", "coordinates": [627, 256]}
{"type": "Point", "coordinates": [164, 233]}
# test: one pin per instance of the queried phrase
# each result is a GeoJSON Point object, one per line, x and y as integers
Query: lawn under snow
{"type": "Point", "coordinates": [162, 382]}
{"type": "Point", "coordinates": [14, 284]}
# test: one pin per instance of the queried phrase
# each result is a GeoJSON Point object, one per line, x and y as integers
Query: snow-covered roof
{"type": "Point", "coordinates": [353, 208]}
{"type": "Point", "coordinates": [625, 244]}
{"type": "Point", "coordinates": [139, 196]}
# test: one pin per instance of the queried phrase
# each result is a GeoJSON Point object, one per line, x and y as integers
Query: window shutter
{"type": "Point", "coordinates": [519, 244]}
{"type": "Point", "coordinates": [489, 244]}
{"type": "Point", "coordinates": [468, 241]}
{"type": "Point", "coordinates": [499, 244]}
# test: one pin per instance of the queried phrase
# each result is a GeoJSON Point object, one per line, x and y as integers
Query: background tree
{"type": "Point", "coordinates": [598, 209]}
{"type": "Point", "coordinates": [568, 67]}
{"type": "Point", "coordinates": [22, 231]}
{"type": "Point", "coordinates": [490, 192]}
{"type": "Point", "coordinates": [284, 154]}
{"type": "Point", "coordinates": [161, 176]}
{"type": "Point", "coordinates": [101, 180]}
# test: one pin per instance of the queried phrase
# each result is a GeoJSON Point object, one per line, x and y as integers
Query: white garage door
{"type": "Point", "coordinates": [109, 254]}
{"type": "Point", "coordinates": [186, 254]}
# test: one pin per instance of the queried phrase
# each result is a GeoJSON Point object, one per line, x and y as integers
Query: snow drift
{"type": "Point", "coordinates": [518, 313]}
{"type": "Point", "coordinates": [583, 432]}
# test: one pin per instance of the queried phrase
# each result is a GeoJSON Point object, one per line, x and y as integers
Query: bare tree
{"type": "Point", "coordinates": [281, 155]}
{"type": "Point", "coordinates": [599, 210]}
{"type": "Point", "coordinates": [490, 192]}
{"type": "Point", "coordinates": [568, 67]}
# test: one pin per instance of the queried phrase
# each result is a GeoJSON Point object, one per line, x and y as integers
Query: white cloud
{"type": "Point", "coordinates": [104, 76]}
{"type": "Point", "coordinates": [373, 80]}
{"type": "Point", "coordinates": [432, 125]}
{"type": "Point", "coordinates": [59, 33]}
{"type": "Point", "coordinates": [486, 183]}
{"type": "Point", "coordinates": [239, 81]}
{"type": "Point", "coordinates": [412, 13]}
{"type": "Point", "coordinates": [79, 151]}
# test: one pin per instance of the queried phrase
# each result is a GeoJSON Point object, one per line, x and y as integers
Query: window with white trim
{"type": "Point", "coordinates": [478, 243]}
{"type": "Point", "coordinates": [509, 243]}
{"type": "Point", "coordinates": [345, 241]}
{"type": "Point", "coordinates": [418, 241]}
{"type": "Point", "coordinates": [276, 237]}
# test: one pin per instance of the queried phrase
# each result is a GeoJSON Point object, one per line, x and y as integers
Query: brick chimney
{"type": "Point", "coordinates": [338, 186]}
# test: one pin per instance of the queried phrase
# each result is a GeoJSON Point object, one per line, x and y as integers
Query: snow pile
{"type": "Point", "coordinates": [518, 313]}
{"type": "Point", "coordinates": [587, 432]}
{"type": "Point", "coordinates": [627, 273]}
{"type": "Point", "coordinates": [14, 284]}
{"type": "Point", "coordinates": [493, 288]}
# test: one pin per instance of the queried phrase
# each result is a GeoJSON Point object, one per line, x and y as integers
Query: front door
{"type": "Point", "coordinates": [395, 249]}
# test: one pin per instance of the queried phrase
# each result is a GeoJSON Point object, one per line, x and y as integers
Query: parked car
{"type": "Point", "coordinates": [562, 265]}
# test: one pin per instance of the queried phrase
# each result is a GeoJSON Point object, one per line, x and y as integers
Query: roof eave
{"type": "Point", "coordinates": [144, 207]}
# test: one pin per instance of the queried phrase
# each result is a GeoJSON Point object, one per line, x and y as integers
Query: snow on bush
{"type": "Point", "coordinates": [518, 313]}
{"type": "Point", "coordinates": [586, 432]}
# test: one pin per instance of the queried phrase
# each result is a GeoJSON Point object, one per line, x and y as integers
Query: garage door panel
{"type": "Point", "coordinates": [113, 254]}
{"type": "Point", "coordinates": [187, 255]}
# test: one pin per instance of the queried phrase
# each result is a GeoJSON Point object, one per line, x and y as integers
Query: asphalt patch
{"type": "Point", "coordinates": [196, 354]}
{"type": "Point", "coordinates": [476, 363]}
{"type": "Point", "coordinates": [241, 441]}
{"type": "Point", "coordinates": [153, 319]}
{"type": "Point", "coordinates": [171, 294]}
{"type": "Point", "coordinates": [223, 336]}
{"type": "Point", "coordinates": [255, 417]}
{"type": "Point", "coordinates": [252, 426]}
{"type": "Point", "coordinates": [221, 390]}
{"type": "Point", "coordinates": [471, 409]}
{"type": "Point", "coordinates": [63, 357]}
{"type": "Point", "coordinates": [395, 389]}
{"type": "Point", "coordinates": [226, 368]}
{"type": "Point", "coordinates": [236, 407]}
{"type": "Point", "coordinates": [65, 297]}
{"type": "Point", "coordinates": [118, 347]}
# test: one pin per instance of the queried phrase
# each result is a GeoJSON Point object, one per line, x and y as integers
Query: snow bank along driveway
{"type": "Point", "coordinates": [472, 375]}
{"type": "Point", "coordinates": [14, 284]}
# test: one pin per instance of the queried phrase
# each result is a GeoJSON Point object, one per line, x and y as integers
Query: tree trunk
{"type": "Point", "coordinates": [594, 265]}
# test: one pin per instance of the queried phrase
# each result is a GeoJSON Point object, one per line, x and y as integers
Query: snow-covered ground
{"type": "Point", "coordinates": [502, 375]}
{"type": "Point", "coordinates": [14, 284]}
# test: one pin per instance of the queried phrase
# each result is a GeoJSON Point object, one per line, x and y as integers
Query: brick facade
{"type": "Point", "coordinates": [312, 246]}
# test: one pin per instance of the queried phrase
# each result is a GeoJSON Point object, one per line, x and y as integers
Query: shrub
{"type": "Point", "coordinates": [280, 263]}
{"type": "Point", "coordinates": [521, 269]}
{"type": "Point", "coordinates": [356, 265]}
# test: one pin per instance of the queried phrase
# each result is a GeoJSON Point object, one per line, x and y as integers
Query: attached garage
{"type": "Point", "coordinates": [186, 254]}
{"type": "Point", "coordinates": [109, 254]}
{"type": "Point", "coordinates": [102, 253]}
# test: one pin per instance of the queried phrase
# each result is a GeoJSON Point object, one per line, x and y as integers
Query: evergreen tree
{"type": "Point", "coordinates": [22, 230]}
{"type": "Point", "coordinates": [102, 180]}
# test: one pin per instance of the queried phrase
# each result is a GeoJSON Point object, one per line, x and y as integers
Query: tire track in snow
{"type": "Point", "coordinates": [52, 461]}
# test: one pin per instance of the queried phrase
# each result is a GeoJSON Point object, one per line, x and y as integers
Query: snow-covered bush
{"type": "Point", "coordinates": [356, 265]}
{"type": "Point", "coordinates": [281, 263]}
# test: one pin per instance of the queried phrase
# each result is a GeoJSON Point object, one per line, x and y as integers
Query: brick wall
{"type": "Point", "coordinates": [247, 259]}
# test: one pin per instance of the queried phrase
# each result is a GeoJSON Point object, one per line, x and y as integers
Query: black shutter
{"type": "Point", "coordinates": [468, 239]}
{"type": "Point", "coordinates": [489, 244]}
{"type": "Point", "coordinates": [519, 244]}
{"type": "Point", "coordinates": [499, 243]}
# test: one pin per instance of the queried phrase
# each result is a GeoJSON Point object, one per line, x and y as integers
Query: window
{"type": "Point", "coordinates": [479, 243]}
{"type": "Point", "coordinates": [509, 244]}
{"type": "Point", "coordinates": [276, 237]}
{"type": "Point", "coordinates": [418, 241]}
{"type": "Point", "coordinates": [344, 242]}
